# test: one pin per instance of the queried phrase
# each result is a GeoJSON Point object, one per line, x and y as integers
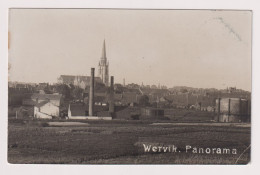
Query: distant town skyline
{"type": "Point", "coordinates": [195, 48]}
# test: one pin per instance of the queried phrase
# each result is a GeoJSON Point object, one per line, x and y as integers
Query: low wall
{"type": "Point", "coordinates": [42, 115]}
{"type": "Point", "coordinates": [232, 118]}
{"type": "Point", "coordinates": [90, 118]}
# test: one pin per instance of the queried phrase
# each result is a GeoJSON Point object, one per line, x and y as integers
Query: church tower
{"type": "Point", "coordinates": [103, 66]}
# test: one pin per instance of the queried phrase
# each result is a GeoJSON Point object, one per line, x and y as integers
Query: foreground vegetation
{"type": "Point", "coordinates": [121, 142]}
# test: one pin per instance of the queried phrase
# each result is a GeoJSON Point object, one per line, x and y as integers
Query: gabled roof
{"type": "Point", "coordinates": [41, 104]}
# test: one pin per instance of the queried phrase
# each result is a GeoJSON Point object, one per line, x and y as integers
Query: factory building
{"type": "Point", "coordinates": [80, 111]}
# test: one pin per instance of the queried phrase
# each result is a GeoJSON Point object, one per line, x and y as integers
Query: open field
{"type": "Point", "coordinates": [121, 142]}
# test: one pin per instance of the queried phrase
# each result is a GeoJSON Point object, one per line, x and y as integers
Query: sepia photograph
{"type": "Point", "coordinates": [129, 86]}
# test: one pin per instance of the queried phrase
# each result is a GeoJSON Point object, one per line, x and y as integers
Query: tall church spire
{"type": "Point", "coordinates": [103, 65]}
{"type": "Point", "coordinates": [104, 51]}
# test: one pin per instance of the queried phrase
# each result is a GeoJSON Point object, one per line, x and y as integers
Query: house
{"type": "Point", "coordinates": [20, 111]}
{"type": "Point", "coordinates": [165, 101]}
{"type": "Point", "coordinates": [46, 109]}
{"type": "Point", "coordinates": [196, 106]}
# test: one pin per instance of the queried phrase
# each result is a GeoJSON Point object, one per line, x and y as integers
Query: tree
{"type": "Point", "coordinates": [144, 100]}
{"type": "Point", "coordinates": [47, 90]}
{"type": "Point", "coordinates": [100, 87]}
{"type": "Point", "coordinates": [64, 90]}
{"type": "Point", "coordinates": [118, 88]}
{"type": "Point", "coordinates": [184, 90]}
{"type": "Point", "coordinates": [133, 86]}
{"type": "Point", "coordinates": [77, 93]}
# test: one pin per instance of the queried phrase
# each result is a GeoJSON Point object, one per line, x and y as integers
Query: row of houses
{"type": "Point", "coordinates": [51, 105]}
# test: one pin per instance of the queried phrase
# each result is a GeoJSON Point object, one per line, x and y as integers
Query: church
{"type": "Point", "coordinates": [103, 66]}
{"type": "Point", "coordinates": [83, 81]}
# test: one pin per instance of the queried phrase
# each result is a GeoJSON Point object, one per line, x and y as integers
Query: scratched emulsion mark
{"type": "Point", "coordinates": [227, 26]}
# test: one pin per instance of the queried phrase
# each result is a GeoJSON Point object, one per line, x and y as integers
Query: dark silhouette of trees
{"type": "Point", "coordinates": [144, 100]}
{"type": "Point", "coordinates": [64, 90]}
{"type": "Point", "coordinates": [77, 93]}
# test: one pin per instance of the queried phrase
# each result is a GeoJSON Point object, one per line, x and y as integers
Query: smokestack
{"type": "Point", "coordinates": [91, 93]}
{"type": "Point", "coordinates": [218, 109]}
{"type": "Point", "coordinates": [111, 104]}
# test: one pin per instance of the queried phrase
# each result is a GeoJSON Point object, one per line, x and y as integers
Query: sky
{"type": "Point", "coordinates": [196, 48]}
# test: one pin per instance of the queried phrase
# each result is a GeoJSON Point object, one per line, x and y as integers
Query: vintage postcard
{"type": "Point", "coordinates": [129, 86]}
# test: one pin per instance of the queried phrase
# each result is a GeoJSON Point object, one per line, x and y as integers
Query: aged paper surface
{"type": "Point", "coordinates": [169, 87]}
{"type": "Point", "coordinates": [128, 86]}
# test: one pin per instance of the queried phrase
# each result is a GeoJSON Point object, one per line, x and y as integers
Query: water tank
{"type": "Point", "coordinates": [233, 110]}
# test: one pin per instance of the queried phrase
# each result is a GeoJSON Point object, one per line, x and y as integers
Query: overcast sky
{"type": "Point", "coordinates": [207, 49]}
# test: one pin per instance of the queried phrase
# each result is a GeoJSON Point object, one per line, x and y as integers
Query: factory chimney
{"type": "Point", "coordinates": [111, 104]}
{"type": "Point", "coordinates": [91, 93]}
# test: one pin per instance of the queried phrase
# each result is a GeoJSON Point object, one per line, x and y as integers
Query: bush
{"type": "Point", "coordinates": [45, 124]}
{"type": "Point", "coordinates": [135, 117]}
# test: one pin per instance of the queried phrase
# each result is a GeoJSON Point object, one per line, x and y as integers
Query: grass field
{"type": "Point", "coordinates": [121, 142]}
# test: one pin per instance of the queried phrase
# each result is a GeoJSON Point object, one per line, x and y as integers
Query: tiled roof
{"type": "Point", "coordinates": [41, 104]}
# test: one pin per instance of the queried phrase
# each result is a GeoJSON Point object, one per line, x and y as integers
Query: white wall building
{"type": "Point", "coordinates": [46, 109]}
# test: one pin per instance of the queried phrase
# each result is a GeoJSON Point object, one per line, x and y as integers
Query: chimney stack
{"type": "Point", "coordinates": [111, 104]}
{"type": "Point", "coordinates": [91, 93]}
